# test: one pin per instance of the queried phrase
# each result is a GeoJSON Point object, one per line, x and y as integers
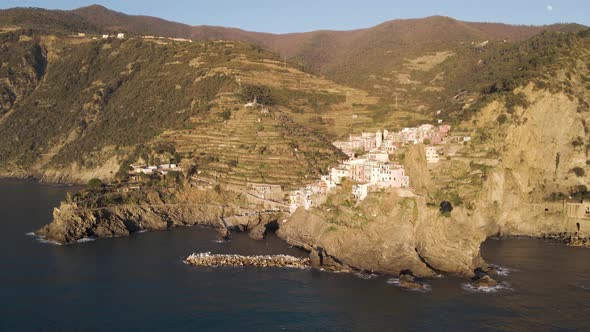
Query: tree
{"type": "Point", "coordinates": [225, 115]}
{"type": "Point", "coordinates": [261, 93]}
{"type": "Point", "coordinates": [94, 184]}
{"type": "Point", "coordinates": [446, 207]}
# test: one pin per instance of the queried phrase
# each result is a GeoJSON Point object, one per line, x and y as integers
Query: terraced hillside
{"type": "Point", "coordinates": [415, 66]}
{"type": "Point", "coordinates": [96, 103]}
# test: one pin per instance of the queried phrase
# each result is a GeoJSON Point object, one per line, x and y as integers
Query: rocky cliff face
{"type": "Point", "coordinates": [539, 151]}
{"type": "Point", "coordinates": [72, 223]}
{"type": "Point", "coordinates": [409, 236]}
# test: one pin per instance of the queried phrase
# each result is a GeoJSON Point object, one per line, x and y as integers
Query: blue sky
{"type": "Point", "coordinates": [305, 15]}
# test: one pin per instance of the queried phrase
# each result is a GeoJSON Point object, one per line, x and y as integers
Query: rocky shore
{"type": "Point", "coordinates": [71, 223]}
{"type": "Point", "coordinates": [216, 260]}
{"type": "Point", "coordinates": [570, 239]}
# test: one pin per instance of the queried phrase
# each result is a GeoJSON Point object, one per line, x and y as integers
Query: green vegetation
{"type": "Point", "coordinates": [262, 94]}
{"type": "Point", "coordinates": [94, 184]}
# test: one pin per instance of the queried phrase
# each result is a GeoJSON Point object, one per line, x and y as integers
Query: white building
{"type": "Point", "coordinates": [339, 173]}
{"type": "Point", "coordinates": [431, 154]}
{"type": "Point", "coordinates": [120, 35]}
{"type": "Point", "coordinates": [360, 191]}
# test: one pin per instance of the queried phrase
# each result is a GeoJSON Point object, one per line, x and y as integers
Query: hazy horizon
{"type": "Point", "coordinates": [303, 16]}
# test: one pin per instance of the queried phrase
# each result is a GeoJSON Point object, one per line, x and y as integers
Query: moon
{"type": "Point", "coordinates": [549, 8]}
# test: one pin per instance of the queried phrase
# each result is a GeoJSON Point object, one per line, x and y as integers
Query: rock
{"type": "Point", "coordinates": [482, 279]}
{"type": "Point", "coordinates": [223, 234]}
{"type": "Point", "coordinates": [408, 235]}
{"type": "Point", "coordinates": [315, 259]}
{"type": "Point", "coordinates": [71, 223]}
{"type": "Point", "coordinates": [407, 280]}
{"type": "Point", "coordinates": [258, 232]}
{"type": "Point", "coordinates": [211, 260]}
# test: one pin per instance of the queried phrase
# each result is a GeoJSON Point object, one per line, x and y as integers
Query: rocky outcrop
{"type": "Point", "coordinates": [408, 280]}
{"type": "Point", "coordinates": [71, 223]}
{"type": "Point", "coordinates": [409, 236]}
{"type": "Point", "coordinates": [571, 239]}
{"type": "Point", "coordinates": [482, 279]}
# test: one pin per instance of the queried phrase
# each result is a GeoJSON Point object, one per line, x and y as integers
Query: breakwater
{"type": "Point", "coordinates": [217, 260]}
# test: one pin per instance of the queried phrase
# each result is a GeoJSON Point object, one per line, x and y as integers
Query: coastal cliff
{"type": "Point", "coordinates": [410, 235]}
{"type": "Point", "coordinates": [73, 221]}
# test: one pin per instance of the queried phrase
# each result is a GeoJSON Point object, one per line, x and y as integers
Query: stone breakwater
{"type": "Point", "coordinates": [216, 260]}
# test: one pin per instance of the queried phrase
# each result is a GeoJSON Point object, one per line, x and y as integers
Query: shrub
{"type": "Point", "coordinates": [94, 184]}
{"type": "Point", "coordinates": [502, 118]}
{"type": "Point", "coordinates": [262, 93]}
{"type": "Point", "coordinates": [446, 207]}
{"type": "Point", "coordinates": [579, 141]}
{"type": "Point", "coordinates": [579, 171]}
{"type": "Point", "coordinates": [225, 115]}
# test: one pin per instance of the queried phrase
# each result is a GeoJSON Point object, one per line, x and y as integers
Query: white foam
{"type": "Point", "coordinates": [425, 287]}
{"type": "Point", "coordinates": [474, 289]}
{"type": "Point", "coordinates": [86, 239]}
{"type": "Point", "coordinates": [502, 271]}
{"type": "Point", "coordinates": [42, 240]}
{"type": "Point", "coordinates": [366, 276]}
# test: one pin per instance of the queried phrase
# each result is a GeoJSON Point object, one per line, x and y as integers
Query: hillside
{"type": "Point", "coordinates": [416, 67]}
{"type": "Point", "coordinates": [76, 108]}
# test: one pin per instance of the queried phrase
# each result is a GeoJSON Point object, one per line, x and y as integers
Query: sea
{"type": "Point", "coordinates": [140, 283]}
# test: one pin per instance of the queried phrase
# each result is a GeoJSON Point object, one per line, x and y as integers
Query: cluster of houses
{"type": "Point", "coordinates": [162, 169]}
{"type": "Point", "coordinates": [169, 38]}
{"type": "Point", "coordinates": [373, 170]}
{"type": "Point", "coordinates": [389, 142]}
{"type": "Point", "coordinates": [119, 35]}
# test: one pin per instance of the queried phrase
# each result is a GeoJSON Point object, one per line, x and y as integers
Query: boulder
{"type": "Point", "coordinates": [482, 279]}
{"type": "Point", "coordinates": [407, 280]}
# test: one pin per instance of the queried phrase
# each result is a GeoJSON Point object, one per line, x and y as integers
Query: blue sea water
{"type": "Point", "coordinates": [139, 283]}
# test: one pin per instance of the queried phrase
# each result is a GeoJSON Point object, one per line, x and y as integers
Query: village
{"type": "Point", "coordinates": [122, 35]}
{"type": "Point", "coordinates": [369, 165]}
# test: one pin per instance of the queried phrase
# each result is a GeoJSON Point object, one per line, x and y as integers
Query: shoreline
{"type": "Point", "coordinates": [36, 180]}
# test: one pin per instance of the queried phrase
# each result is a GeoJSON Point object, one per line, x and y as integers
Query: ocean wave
{"type": "Point", "coordinates": [41, 239]}
{"type": "Point", "coordinates": [502, 271]}
{"type": "Point", "coordinates": [474, 289]}
{"type": "Point", "coordinates": [365, 275]}
{"type": "Point", "coordinates": [395, 281]}
{"type": "Point", "coordinates": [86, 239]}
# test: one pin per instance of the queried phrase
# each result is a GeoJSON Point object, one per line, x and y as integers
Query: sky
{"type": "Point", "coordinates": [305, 15]}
